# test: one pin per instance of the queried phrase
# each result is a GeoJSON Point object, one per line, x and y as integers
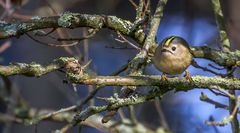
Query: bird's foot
{"type": "Point", "coordinates": [164, 77]}
{"type": "Point", "coordinates": [188, 76]}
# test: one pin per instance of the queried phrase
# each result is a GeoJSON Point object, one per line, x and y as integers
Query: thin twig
{"type": "Point", "coordinates": [228, 119]}
{"type": "Point", "coordinates": [217, 93]}
{"type": "Point", "coordinates": [223, 92]}
{"type": "Point", "coordinates": [133, 3]}
{"type": "Point", "coordinates": [124, 40]}
{"type": "Point", "coordinates": [42, 33]}
{"type": "Point", "coordinates": [147, 7]}
{"type": "Point", "coordinates": [132, 115]}
{"type": "Point", "coordinates": [206, 99]}
{"type": "Point", "coordinates": [51, 44]}
{"type": "Point", "coordinates": [43, 117]}
{"type": "Point", "coordinates": [65, 128]}
{"type": "Point", "coordinates": [77, 40]}
{"type": "Point", "coordinates": [195, 64]}
{"type": "Point", "coordinates": [215, 67]}
{"type": "Point", "coordinates": [162, 119]}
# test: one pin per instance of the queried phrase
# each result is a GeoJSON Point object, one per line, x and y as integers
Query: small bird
{"type": "Point", "coordinates": [173, 56]}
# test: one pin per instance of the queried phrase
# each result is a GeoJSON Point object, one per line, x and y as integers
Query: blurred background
{"type": "Point", "coordinates": [183, 111]}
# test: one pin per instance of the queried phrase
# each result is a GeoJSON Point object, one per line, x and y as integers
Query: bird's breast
{"type": "Point", "coordinates": [173, 64]}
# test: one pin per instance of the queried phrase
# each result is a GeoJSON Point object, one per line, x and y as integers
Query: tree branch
{"type": "Point", "coordinates": [75, 73]}
{"type": "Point", "coordinates": [226, 47]}
{"type": "Point", "coordinates": [71, 20]}
{"type": "Point", "coordinates": [225, 42]}
{"type": "Point", "coordinates": [219, 57]}
{"type": "Point", "coordinates": [33, 69]}
{"type": "Point", "coordinates": [74, 20]}
{"type": "Point", "coordinates": [144, 80]}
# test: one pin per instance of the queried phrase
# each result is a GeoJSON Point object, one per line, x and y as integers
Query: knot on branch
{"type": "Point", "coordinates": [75, 71]}
{"type": "Point", "coordinates": [74, 67]}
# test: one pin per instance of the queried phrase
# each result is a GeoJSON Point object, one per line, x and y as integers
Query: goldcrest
{"type": "Point", "coordinates": [172, 56]}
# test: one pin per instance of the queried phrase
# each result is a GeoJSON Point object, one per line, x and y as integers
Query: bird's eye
{"type": "Point", "coordinates": [173, 48]}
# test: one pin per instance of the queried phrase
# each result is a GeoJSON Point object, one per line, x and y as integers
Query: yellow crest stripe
{"type": "Point", "coordinates": [167, 42]}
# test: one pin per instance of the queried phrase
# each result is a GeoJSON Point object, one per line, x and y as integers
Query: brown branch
{"type": "Point", "coordinates": [133, 3]}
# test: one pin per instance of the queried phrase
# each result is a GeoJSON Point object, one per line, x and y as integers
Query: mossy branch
{"type": "Point", "coordinates": [75, 20]}
{"type": "Point", "coordinates": [144, 80]}
{"type": "Point", "coordinates": [226, 45]}
{"type": "Point", "coordinates": [71, 20]}
{"type": "Point", "coordinates": [33, 69]}
{"type": "Point", "coordinates": [76, 74]}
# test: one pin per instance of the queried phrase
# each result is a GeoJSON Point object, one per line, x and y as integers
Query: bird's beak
{"type": "Point", "coordinates": [166, 50]}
